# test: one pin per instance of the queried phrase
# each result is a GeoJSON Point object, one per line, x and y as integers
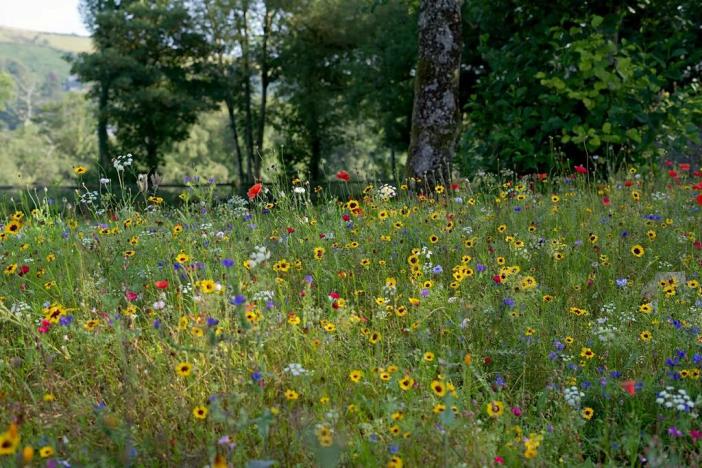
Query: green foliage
{"type": "Point", "coordinates": [151, 59]}
{"type": "Point", "coordinates": [43, 151]}
{"type": "Point", "coordinates": [616, 80]}
{"type": "Point", "coordinates": [6, 89]}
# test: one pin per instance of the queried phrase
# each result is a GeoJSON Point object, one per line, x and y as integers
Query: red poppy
{"type": "Point", "coordinates": [697, 245]}
{"type": "Point", "coordinates": [580, 169]}
{"type": "Point", "coordinates": [629, 387]}
{"type": "Point", "coordinates": [541, 176]}
{"type": "Point", "coordinates": [605, 201]}
{"type": "Point", "coordinates": [161, 284]}
{"type": "Point", "coordinates": [345, 217]}
{"type": "Point", "coordinates": [291, 230]}
{"type": "Point", "coordinates": [254, 190]}
{"type": "Point", "coordinates": [673, 173]}
{"type": "Point", "coordinates": [699, 199]}
{"type": "Point", "coordinates": [455, 187]}
{"type": "Point", "coordinates": [684, 167]}
{"type": "Point", "coordinates": [343, 175]}
{"type": "Point", "coordinates": [497, 279]}
{"type": "Point", "coordinates": [628, 183]}
{"type": "Point", "coordinates": [23, 270]}
{"type": "Point", "coordinates": [669, 163]}
{"type": "Point", "coordinates": [697, 173]}
{"type": "Point", "coordinates": [697, 186]}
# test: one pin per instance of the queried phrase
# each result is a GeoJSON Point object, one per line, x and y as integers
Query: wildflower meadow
{"type": "Point", "coordinates": [552, 319]}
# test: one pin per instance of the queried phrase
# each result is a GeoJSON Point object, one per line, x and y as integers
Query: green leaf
{"type": "Point", "coordinates": [634, 135]}
{"type": "Point", "coordinates": [596, 21]}
{"type": "Point", "coordinates": [607, 127]}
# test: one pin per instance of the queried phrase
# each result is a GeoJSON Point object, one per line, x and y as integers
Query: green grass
{"type": "Point", "coordinates": [403, 363]}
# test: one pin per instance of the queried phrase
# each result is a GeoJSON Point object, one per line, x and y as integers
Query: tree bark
{"type": "Point", "coordinates": [254, 162]}
{"type": "Point", "coordinates": [265, 80]}
{"type": "Point", "coordinates": [235, 137]}
{"type": "Point", "coordinates": [436, 112]}
{"type": "Point", "coordinates": [103, 150]}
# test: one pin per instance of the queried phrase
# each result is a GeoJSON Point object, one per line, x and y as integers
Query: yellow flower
{"type": "Point", "coordinates": [495, 408]}
{"type": "Point", "coordinates": [587, 413]}
{"type": "Point", "coordinates": [406, 383]}
{"type": "Point", "coordinates": [638, 251]}
{"type": "Point", "coordinates": [200, 412]}
{"type": "Point", "coordinates": [46, 451]}
{"type": "Point", "coordinates": [9, 440]}
{"type": "Point", "coordinates": [438, 387]}
{"type": "Point", "coordinates": [587, 353]}
{"type": "Point", "coordinates": [184, 369]}
{"type": "Point", "coordinates": [291, 395]}
{"type": "Point", "coordinates": [80, 170]}
{"type": "Point", "coordinates": [355, 375]}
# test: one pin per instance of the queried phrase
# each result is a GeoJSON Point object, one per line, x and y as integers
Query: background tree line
{"type": "Point", "coordinates": [245, 89]}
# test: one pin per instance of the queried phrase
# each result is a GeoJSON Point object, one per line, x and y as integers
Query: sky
{"type": "Point", "coordinates": [59, 16]}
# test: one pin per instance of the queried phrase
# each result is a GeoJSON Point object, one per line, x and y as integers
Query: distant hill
{"type": "Point", "coordinates": [59, 42]}
{"type": "Point", "coordinates": [36, 61]}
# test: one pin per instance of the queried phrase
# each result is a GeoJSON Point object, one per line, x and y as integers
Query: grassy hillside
{"type": "Point", "coordinates": [37, 63]}
{"type": "Point", "coordinates": [59, 42]}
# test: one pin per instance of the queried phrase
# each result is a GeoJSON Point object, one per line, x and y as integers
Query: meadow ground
{"type": "Point", "coordinates": [545, 321]}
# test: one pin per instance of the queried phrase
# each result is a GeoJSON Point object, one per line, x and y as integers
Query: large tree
{"type": "Point", "coordinates": [436, 114]}
{"type": "Point", "coordinates": [155, 60]}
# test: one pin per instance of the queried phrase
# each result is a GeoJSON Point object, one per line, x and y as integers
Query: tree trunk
{"type": "Point", "coordinates": [151, 156]}
{"type": "Point", "coordinates": [436, 113]}
{"type": "Point", "coordinates": [315, 143]}
{"type": "Point", "coordinates": [265, 79]}
{"type": "Point", "coordinates": [254, 163]}
{"type": "Point", "coordinates": [103, 150]}
{"type": "Point", "coordinates": [235, 137]}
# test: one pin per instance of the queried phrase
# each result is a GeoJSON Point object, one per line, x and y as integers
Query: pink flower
{"type": "Point", "coordinates": [517, 411]}
{"type": "Point", "coordinates": [580, 169]}
{"type": "Point", "coordinates": [131, 296]}
{"type": "Point", "coordinates": [696, 434]}
{"type": "Point", "coordinates": [499, 460]}
{"type": "Point", "coordinates": [343, 175]}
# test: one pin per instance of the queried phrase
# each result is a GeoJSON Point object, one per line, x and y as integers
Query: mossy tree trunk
{"type": "Point", "coordinates": [436, 113]}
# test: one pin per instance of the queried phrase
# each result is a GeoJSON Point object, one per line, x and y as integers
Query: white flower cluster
{"type": "Point", "coordinates": [573, 396]}
{"type": "Point", "coordinates": [295, 369]}
{"type": "Point", "coordinates": [679, 400]}
{"type": "Point", "coordinates": [120, 162]}
{"type": "Point", "coordinates": [605, 332]}
{"type": "Point", "coordinates": [259, 255]}
{"type": "Point", "coordinates": [387, 192]}
{"type": "Point", "coordinates": [299, 190]}
{"type": "Point", "coordinates": [264, 296]}
{"type": "Point", "coordinates": [20, 308]}
{"type": "Point", "coordinates": [658, 196]}
{"type": "Point", "coordinates": [89, 198]}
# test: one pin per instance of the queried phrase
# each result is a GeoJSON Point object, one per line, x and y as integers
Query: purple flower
{"type": "Point", "coordinates": [237, 300]}
{"type": "Point", "coordinates": [66, 320]}
{"type": "Point", "coordinates": [621, 282]}
{"type": "Point", "coordinates": [256, 376]}
{"type": "Point", "coordinates": [437, 270]}
{"type": "Point", "coordinates": [212, 322]}
{"type": "Point", "coordinates": [480, 267]}
{"type": "Point", "coordinates": [509, 302]}
{"type": "Point", "coordinates": [227, 263]}
{"type": "Point", "coordinates": [308, 279]}
{"type": "Point", "coordinates": [424, 292]}
{"type": "Point", "coordinates": [674, 431]}
{"type": "Point", "coordinates": [157, 324]}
